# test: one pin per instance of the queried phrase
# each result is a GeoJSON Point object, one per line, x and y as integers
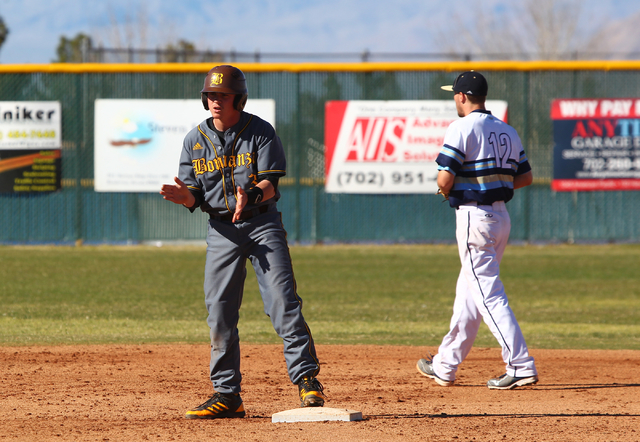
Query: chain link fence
{"type": "Point", "coordinates": [78, 213]}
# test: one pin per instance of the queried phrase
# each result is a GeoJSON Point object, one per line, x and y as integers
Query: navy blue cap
{"type": "Point", "coordinates": [469, 83]}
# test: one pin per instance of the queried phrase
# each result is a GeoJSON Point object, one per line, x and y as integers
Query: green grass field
{"type": "Point", "coordinates": [578, 296]}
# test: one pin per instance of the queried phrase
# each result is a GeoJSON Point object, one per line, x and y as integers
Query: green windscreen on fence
{"type": "Point", "coordinates": [78, 213]}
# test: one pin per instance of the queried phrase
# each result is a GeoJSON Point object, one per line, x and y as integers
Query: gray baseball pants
{"type": "Point", "coordinates": [261, 239]}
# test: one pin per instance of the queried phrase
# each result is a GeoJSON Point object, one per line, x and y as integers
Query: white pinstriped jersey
{"type": "Point", "coordinates": [485, 154]}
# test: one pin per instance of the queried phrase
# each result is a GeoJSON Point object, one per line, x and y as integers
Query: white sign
{"type": "Point", "coordinates": [30, 125]}
{"type": "Point", "coordinates": [137, 143]}
{"type": "Point", "coordinates": [387, 146]}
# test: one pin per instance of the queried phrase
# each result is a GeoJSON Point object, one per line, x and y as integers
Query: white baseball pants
{"type": "Point", "coordinates": [482, 233]}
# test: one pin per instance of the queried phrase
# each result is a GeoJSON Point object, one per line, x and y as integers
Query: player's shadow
{"type": "Point", "coordinates": [545, 387]}
{"type": "Point", "coordinates": [562, 386]}
{"type": "Point", "coordinates": [507, 415]}
{"type": "Point", "coordinates": [259, 258]}
{"type": "Point", "coordinates": [583, 386]}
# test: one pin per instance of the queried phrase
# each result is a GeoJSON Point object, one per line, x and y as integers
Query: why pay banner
{"type": "Point", "coordinates": [596, 144]}
{"type": "Point", "coordinates": [387, 146]}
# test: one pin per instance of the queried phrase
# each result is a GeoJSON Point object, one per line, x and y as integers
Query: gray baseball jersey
{"type": "Point", "coordinates": [214, 168]}
{"type": "Point", "coordinates": [213, 165]}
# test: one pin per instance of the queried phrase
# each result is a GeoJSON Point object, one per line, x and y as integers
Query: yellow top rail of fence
{"type": "Point", "coordinates": [82, 68]}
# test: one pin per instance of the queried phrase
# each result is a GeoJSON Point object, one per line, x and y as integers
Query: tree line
{"type": "Point", "coordinates": [525, 30]}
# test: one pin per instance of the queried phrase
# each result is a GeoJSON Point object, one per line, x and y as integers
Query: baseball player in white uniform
{"type": "Point", "coordinates": [481, 163]}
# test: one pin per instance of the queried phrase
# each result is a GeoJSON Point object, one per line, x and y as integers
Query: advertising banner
{"type": "Point", "coordinates": [138, 142]}
{"type": "Point", "coordinates": [30, 142]}
{"type": "Point", "coordinates": [387, 147]}
{"type": "Point", "coordinates": [596, 144]}
{"type": "Point", "coordinates": [33, 125]}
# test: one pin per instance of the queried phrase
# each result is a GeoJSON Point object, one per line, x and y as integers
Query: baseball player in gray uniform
{"type": "Point", "coordinates": [481, 163]}
{"type": "Point", "coordinates": [229, 167]}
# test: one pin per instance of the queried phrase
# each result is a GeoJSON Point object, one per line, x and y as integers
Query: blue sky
{"type": "Point", "coordinates": [290, 26]}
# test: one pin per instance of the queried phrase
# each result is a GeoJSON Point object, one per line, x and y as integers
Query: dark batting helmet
{"type": "Point", "coordinates": [227, 80]}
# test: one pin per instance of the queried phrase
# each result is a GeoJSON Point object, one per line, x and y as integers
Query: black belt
{"type": "Point", "coordinates": [243, 216]}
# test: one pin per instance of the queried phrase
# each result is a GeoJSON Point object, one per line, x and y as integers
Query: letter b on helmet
{"type": "Point", "coordinates": [227, 80]}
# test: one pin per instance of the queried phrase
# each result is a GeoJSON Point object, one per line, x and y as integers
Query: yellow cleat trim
{"type": "Point", "coordinates": [311, 393]}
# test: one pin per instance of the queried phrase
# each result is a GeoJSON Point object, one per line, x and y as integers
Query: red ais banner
{"type": "Point", "coordinates": [596, 144]}
{"type": "Point", "coordinates": [387, 146]}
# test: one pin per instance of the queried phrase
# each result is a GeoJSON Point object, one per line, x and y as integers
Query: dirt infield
{"type": "Point", "coordinates": [140, 392]}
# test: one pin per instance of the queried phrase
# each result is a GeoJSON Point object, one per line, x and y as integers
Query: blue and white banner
{"type": "Point", "coordinates": [137, 143]}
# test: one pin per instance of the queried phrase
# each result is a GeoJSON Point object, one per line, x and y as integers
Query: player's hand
{"type": "Point", "coordinates": [241, 202]}
{"type": "Point", "coordinates": [178, 193]}
{"type": "Point", "coordinates": [445, 195]}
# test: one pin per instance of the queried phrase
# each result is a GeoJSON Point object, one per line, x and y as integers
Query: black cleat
{"type": "Point", "coordinates": [219, 406]}
{"type": "Point", "coordinates": [311, 394]}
